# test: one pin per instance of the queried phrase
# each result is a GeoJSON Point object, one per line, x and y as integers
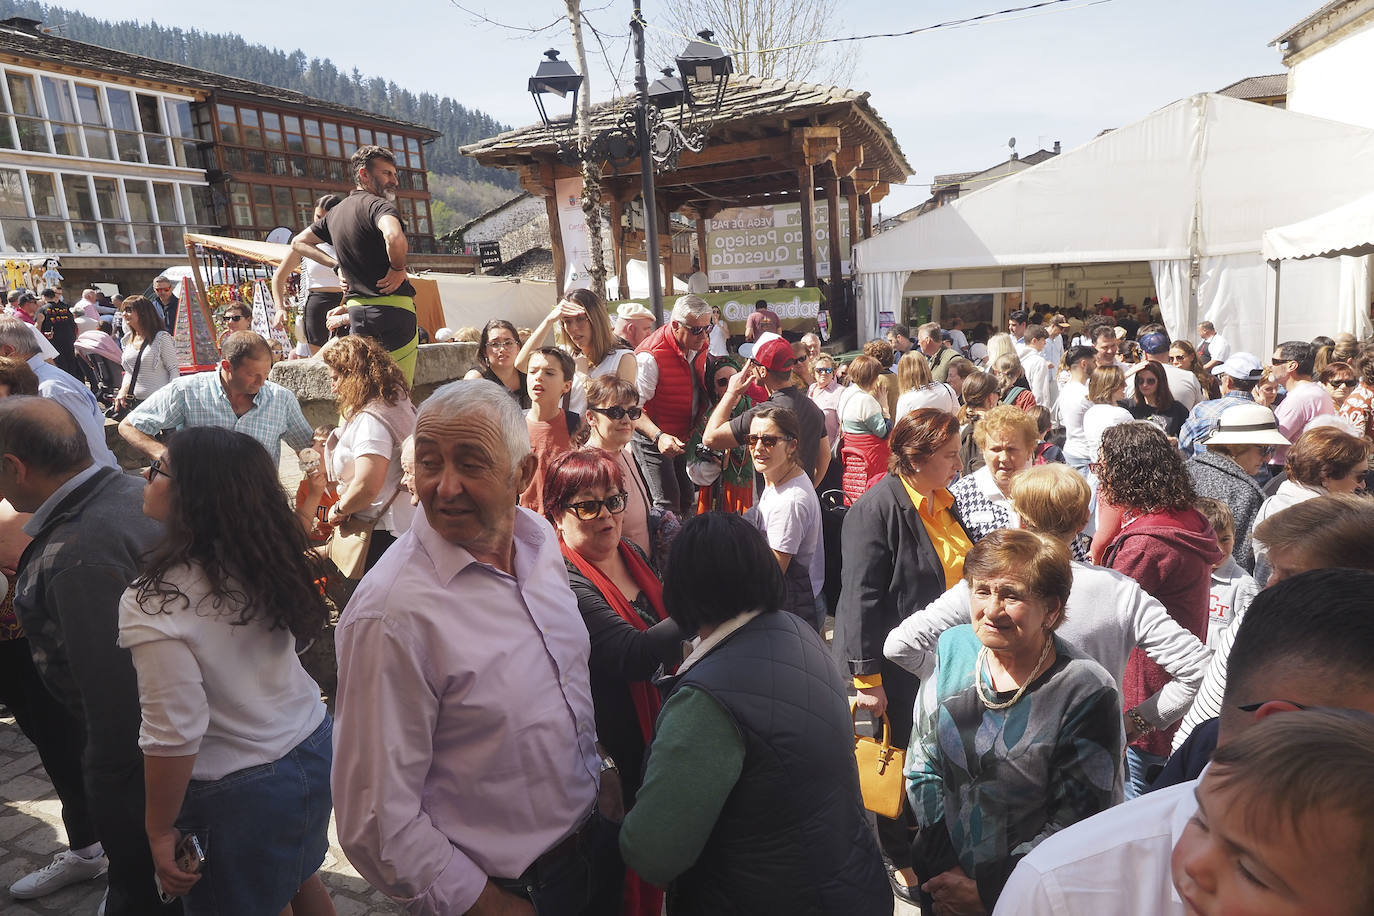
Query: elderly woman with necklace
{"type": "Point", "coordinates": [1017, 735]}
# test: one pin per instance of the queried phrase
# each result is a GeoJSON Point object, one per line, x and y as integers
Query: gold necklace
{"type": "Point", "coordinates": [978, 676]}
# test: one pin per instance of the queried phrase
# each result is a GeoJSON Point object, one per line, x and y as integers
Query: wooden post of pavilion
{"type": "Point", "coordinates": [665, 251]}
{"type": "Point", "coordinates": [537, 178]}
{"type": "Point", "coordinates": [832, 203]}
{"type": "Point", "coordinates": [618, 237]}
{"type": "Point", "coordinates": [864, 182]}
{"type": "Point", "coordinates": [811, 146]}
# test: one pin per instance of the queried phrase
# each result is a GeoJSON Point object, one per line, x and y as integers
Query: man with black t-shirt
{"type": "Point", "coordinates": [370, 243]}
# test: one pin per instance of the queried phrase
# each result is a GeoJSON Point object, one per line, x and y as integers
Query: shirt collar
{"type": "Point", "coordinates": [1240, 394]}
{"type": "Point", "coordinates": [718, 636]}
{"type": "Point", "coordinates": [988, 487]}
{"type": "Point", "coordinates": [928, 508]}
{"type": "Point", "coordinates": [450, 559]}
{"type": "Point", "coordinates": [1178, 821]}
{"type": "Point", "coordinates": [44, 512]}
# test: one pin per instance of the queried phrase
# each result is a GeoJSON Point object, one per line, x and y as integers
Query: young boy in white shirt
{"type": "Point", "coordinates": [1232, 588]}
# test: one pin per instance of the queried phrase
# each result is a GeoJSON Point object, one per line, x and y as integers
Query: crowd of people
{"type": "Point", "coordinates": [607, 610]}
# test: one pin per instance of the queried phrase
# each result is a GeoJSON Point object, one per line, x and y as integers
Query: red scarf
{"type": "Point", "coordinates": [641, 898]}
{"type": "Point", "coordinates": [643, 693]}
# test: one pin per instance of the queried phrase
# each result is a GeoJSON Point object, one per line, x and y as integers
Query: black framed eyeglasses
{"type": "Point", "coordinates": [155, 468]}
{"type": "Point", "coordinates": [589, 509]}
{"type": "Point", "coordinates": [697, 331]}
{"type": "Point", "coordinates": [235, 317]}
{"type": "Point", "coordinates": [1342, 383]}
{"type": "Point", "coordinates": [619, 413]}
{"type": "Point", "coordinates": [765, 440]}
{"type": "Point", "coordinates": [824, 370]}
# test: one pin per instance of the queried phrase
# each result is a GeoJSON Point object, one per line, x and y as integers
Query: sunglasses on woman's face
{"type": "Point", "coordinates": [620, 413]}
{"type": "Point", "coordinates": [1342, 383]}
{"type": "Point", "coordinates": [228, 318]}
{"type": "Point", "coordinates": [765, 440]}
{"type": "Point", "coordinates": [591, 508]}
{"type": "Point", "coordinates": [500, 344]}
{"type": "Point", "coordinates": [821, 370]}
{"type": "Point", "coordinates": [155, 469]}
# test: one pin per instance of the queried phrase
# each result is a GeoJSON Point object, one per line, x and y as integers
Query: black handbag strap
{"type": "Point", "coordinates": [138, 364]}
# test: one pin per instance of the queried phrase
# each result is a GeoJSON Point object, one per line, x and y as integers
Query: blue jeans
{"type": "Point", "coordinates": [588, 880]}
{"type": "Point", "coordinates": [1141, 769]}
{"type": "Point", "coordinates": [264, 830]}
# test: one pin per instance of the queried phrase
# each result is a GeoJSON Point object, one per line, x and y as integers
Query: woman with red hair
{"type": "Point", "coordinates": [621, 600]}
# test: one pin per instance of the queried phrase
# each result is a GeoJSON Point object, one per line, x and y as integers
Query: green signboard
{"type": "Point", "coordinates": [796, 307]}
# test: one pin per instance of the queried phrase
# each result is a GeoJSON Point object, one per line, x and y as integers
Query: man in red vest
{"type": "Point", "coordinates": [672, 389]}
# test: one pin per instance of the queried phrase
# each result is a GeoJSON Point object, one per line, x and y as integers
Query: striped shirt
{"type": "Point", "coordinates": [200, 400]}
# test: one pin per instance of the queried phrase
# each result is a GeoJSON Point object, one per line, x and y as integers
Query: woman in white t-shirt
{"type": "Point", "coordinates": [236, 741]}
{"type": "Point", "coordinates": [585, 332]}
{"type": "Point", "coordinates": [919, 389]}
{"type": "Point", "coordinates": [363, 457]}
{"type": "Point", "coordinates": [788, 512]}
{"type": "Point", "coordinates": [148, 352]}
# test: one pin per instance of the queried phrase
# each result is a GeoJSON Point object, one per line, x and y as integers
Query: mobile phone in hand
{"type": "Point", "coordinates": [190, 857]}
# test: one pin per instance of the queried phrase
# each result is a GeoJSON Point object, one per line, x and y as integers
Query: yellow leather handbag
{"type": "Point", "coordinates": [880, 770]}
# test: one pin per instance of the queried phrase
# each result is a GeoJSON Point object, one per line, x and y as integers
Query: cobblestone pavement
{"type": "Point", "coordinates": [31, 834]}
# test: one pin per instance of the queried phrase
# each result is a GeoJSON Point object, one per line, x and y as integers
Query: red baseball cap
{"type": "Point", "coordinates": [774, 355]}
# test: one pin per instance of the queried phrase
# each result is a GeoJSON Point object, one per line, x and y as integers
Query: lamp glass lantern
{"type": "Point", "coordinates": [554, 77]}
{"type": "Point", "coordinates": [705, 67]}
{"type": "Point", "coordinates": [668, 91]}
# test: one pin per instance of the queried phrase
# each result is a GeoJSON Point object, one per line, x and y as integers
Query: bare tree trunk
{"type": "Point", "coordinates": [591, 171]}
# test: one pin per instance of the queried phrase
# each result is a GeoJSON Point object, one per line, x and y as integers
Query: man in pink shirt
{"type": "Point", "coordinates": [467, 778]}
{"type": "Point", "coordinates": [761, 321]}
{"type": "Point", "coordinates": [1306, 400]}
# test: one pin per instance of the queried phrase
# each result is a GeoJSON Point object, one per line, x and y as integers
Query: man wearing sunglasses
{"type": "Point", "coordinates": [89, 534]}
{"type": "Point", "coordinates": [771, 366]}
{"type": "Point", "coordinates": [672, 384]}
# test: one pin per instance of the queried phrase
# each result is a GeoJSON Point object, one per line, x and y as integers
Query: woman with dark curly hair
{"type": "Point", "coordinates": [235, 738]}
{"type": "Point", "coordinates": [363, 456]}
{"type": "Point", "coordinates": [1165, 545]}
{"type": "Point", "coordinates": [496, 351]}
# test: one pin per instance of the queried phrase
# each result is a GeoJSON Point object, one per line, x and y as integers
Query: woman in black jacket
{"type": "Point", "coordinates": [902, 548]}
{"type": "Point", "coordinates": [621, 600]}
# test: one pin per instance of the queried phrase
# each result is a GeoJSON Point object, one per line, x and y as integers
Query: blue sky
{"type": "Point", "coordinates": [953, 98]}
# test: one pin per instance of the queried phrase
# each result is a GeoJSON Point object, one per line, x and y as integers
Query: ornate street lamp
{"type": "Point", "coordinates": [705, 67]}
{"type": "Point", "coordinates": [641, 131]}
{"type": "Point", "coordinates": [556, 77]}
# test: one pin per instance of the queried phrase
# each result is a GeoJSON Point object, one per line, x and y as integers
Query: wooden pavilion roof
{"type": "Point", "coordinates": [766, 130]}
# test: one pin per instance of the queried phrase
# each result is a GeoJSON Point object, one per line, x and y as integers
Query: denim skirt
{"type": "Point", "coordinates": [263, 830]}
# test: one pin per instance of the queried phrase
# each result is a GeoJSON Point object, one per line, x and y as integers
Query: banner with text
{"type": "Point", "coordinates": [797, 308]}
{"type": "Point", "coordinates": [577, 248]}
{"type": "Point", "coordinates": [764, 244]}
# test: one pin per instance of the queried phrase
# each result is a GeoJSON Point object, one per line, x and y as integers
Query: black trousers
{"type": "Point", "coordinates": [117, 798]}
{"type": "Point", "coordinates": [669, 486]}
{"type": "Point", "coordinates": [58, 735]}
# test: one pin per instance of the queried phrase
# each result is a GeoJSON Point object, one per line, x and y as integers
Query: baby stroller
{"type": "Point", "coordinates": [101, 357]}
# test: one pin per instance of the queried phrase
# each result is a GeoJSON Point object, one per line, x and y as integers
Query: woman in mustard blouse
{"type": "Point", "coordinates": [902, 547]}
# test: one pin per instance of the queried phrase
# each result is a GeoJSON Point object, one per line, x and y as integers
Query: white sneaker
{"type": "Point", "coordinates": [65, 868]}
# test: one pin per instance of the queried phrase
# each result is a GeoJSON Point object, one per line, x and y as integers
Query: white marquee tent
{"type": "Point", "coordinates": [1346, 234]}
{"type": "Point", "coordinates": [1196, 183]}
